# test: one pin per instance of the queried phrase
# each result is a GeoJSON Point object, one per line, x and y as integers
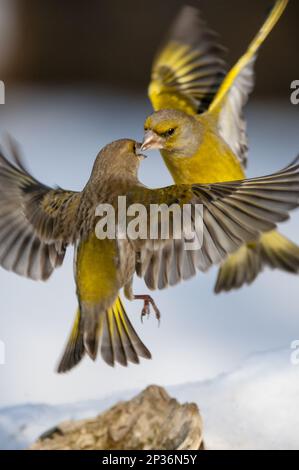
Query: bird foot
{"type": "Point", "coordinates": [148, 300]}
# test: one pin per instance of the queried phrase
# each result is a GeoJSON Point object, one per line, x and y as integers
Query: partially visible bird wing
{"type": "Point", "coordinates": [232, 213]}
{"type": "Point", "coordinates": [189, 67]}
{"type": "Point", "coordinates": [231, 122]}
{"type": "Point", "coordinates": [35, 221]}
{"type": "Point", "coordinates": [234, 91]}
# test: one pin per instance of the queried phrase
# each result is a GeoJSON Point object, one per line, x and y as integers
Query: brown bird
{"type": "Point", "coordinates": [37, 223]}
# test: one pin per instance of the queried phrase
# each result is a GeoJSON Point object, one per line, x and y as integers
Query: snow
{"type": "Point", "coordinates": [21, 425]}
{"type": "Point", "coordinates": [252, 407]}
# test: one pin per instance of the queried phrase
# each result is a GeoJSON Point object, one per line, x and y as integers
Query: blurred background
{"type": "Point", "coordinates": [76, 75]}
{"type": "Point", "coordinates": [112, 42]}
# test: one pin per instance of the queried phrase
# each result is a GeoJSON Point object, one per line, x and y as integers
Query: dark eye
{"type": "Point", "coordinates": [168, 133]}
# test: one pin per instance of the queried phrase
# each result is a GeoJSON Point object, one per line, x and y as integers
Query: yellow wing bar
{"type": "Point", "coordinates": [265, 30]}
{"type": "Point", "coordinates": [189, 68]}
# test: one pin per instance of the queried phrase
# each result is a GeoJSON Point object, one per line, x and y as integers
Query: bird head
{"type": "Point", "coordinates": [172, 131]}
{"type": "Point", "coordinates": [118, 160]}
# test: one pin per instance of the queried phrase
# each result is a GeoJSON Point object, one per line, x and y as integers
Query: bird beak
{"type": "Point", "coordinates": [138, 151]}
{"type": "Point", "coordinates": [151, 141]}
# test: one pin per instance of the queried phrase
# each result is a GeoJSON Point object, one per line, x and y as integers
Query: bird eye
{"type": "Point", "coordinates": [169, 132]}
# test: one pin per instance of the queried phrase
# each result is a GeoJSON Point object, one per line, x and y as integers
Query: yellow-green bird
{"type": "Point", "coordinates": [37, 223]}
{"type": "Point", "coordinates": [200, 128]}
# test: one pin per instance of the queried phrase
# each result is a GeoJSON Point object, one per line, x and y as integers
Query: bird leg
{"type": "Point", "coordinates": [148, 300]}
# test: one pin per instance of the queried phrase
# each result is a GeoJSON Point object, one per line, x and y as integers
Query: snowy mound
{"type": "Point", "coordinates": [253, 407]}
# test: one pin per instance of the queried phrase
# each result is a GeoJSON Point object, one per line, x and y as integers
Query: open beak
{"type": "Point", "coordinates": [151, 141]}
{"type": "Point", "coordinates": [138, 151]}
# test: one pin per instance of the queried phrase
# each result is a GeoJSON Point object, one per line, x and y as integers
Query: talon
{"type": "Point", "coordinates": [146, 307]}
{"type": "Point", "coordinates": [145, 311]}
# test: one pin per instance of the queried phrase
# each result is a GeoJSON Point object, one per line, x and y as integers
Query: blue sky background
{"type": "Point", "coordinates": [201, 335]}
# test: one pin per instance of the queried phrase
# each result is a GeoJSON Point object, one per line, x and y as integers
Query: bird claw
{"type": "Point", "coordinates": [145, 312]}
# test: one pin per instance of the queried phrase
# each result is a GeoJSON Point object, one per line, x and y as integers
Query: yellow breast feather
{"type": "Point", "coordinates": [96, 270]}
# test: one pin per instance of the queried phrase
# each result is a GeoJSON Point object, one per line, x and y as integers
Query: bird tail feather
{"type": "Point", "coordinates": [280, 253]}
{"type": "Point", "coordinates": [119, 341]}
{"type": "Point", "coordinates": [242, 267]}
{"type": "Point", "coordinates": [74, 350]}
{"type": "Point", "coordinates": [112, 334]}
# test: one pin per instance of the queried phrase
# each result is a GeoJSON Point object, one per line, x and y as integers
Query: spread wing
{"type": "Point", "coordinates": [229, 214]}
{"type": "Point", "coordinates": [188, 74]}
{"type": "Point", "coordinates": [189, 67]}
{"type": "Point", "coordinates": [231, 122]}
{"type": "Point", "coordinates": [234, 91]}
{"type": "Point", "coordinates": [35, 220]}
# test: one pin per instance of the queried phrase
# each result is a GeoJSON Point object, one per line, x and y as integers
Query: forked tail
{"type": "Point", "coordinates": [113, 335]}
{"type": "Point", "coordinates": [242, 267]}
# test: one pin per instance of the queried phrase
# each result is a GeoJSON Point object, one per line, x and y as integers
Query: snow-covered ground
{"type": "Point", "coordinates": [252, 407]}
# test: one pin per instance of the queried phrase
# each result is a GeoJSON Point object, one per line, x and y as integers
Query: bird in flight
{"type": "Point", "coordinates": [199, 127]}
{"type": "Point", "coordinates": [38, 223]}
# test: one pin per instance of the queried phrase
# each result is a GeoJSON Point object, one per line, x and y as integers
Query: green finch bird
{"type": "Point", "coordinates": [201, 132]}
{"type": "Point", "coordinates": [38, 223]}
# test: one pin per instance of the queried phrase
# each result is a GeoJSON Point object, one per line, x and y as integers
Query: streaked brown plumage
{"type": "Point", "coordinates": [37, 223]}
{"type": "Point", "coordinates": [41, 222]}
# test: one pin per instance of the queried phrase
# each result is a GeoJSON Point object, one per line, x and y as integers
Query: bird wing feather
{"type": "Point", "coordinates": [232, 96]}
{"type": "Point", "coordinates": [232, 213]}
{"type": "Point", "coordinates": [189, 67]}
{"type": "Point", "coordinates": [35, 220]}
